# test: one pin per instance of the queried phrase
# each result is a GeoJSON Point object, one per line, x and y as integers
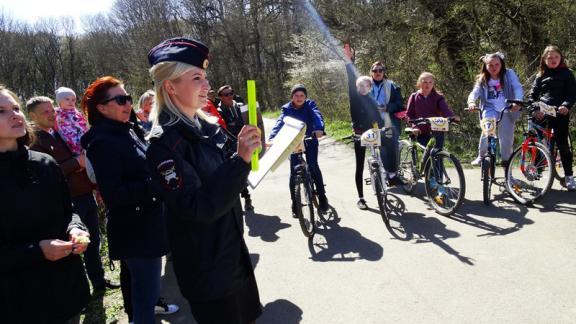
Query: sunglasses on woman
{"type": "Point", "coordinates": [120, 99]}
{"type": "Point", "coordinates": [378, 70]}
{"type": "Point", "coordinates": [228, 94]}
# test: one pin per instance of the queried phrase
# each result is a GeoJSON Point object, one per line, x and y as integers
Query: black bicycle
{"type": "Point", "coordinates": [305, 198]}
{"type": "Point", "coordinates": [443, 176]}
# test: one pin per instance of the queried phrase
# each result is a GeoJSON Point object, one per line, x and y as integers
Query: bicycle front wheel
{"type": "Point", "coordinates": [444, 182]}
{"type": "Point", "coordinates": [380, 191]}
{"type": "Point", "coordinates": [305, 208]}
{"type": "Point", "coordinates": [487, 176]}
{"type": "Point", "coordinates": [407, 167]}
{"type": "Point", "coordinates": [530, 173]}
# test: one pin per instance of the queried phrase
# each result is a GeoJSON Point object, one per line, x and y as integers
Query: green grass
{"type": "Point", "coordinates": [338, 129]}
{"type": "Point", "coordinates": [272, 114]}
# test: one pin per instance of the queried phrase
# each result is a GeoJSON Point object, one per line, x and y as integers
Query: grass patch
{"type": "Point", "coordinates": [338, 129]}
{"type": "Point", "coordinates": [272, 114]}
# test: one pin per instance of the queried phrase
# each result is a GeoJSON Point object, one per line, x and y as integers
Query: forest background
{"type": "Point", "coordinates": [282, 42]}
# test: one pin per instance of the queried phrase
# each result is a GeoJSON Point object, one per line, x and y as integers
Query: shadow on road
{"type": "Point", "coordinates": [422, 229]}
{"type": "Point", "coordinates": [280, 311]}
{"type": "Point", "coordinates": [556, 201]}
{"type": "Point", "coordinates": [333, 242]}
{"type": "Point", "coordinates": [264, 226]}
{"type": "Point", "coordinates": [471, 211]}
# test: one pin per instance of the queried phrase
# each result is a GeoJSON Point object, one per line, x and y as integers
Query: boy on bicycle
{"type": "Point", "coordinates": [305, 110]}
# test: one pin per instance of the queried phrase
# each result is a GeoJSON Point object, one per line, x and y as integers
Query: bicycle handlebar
{"type": "Point", "coordinates": [426, 121]}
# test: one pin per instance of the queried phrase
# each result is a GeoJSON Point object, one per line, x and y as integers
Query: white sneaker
{"type": "Point", "coordinates": [162, 308]}
{"type": "Point", "coordinates": [570, 183]}
{"type": "Point", "coordinates": [476, 162]}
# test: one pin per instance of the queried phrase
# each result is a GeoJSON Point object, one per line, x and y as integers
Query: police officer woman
{"type": "Point", "coordinates": [40, 237]}
{"type": "Point", "coordinates": [136, 223]}
{"type": "Point", "coordinates": [201, 187]}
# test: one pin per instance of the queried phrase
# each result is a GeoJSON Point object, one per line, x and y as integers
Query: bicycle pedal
{"type": "Point", "coordinates": [439, 199]}
{"type": "Point", "coordinates": [368, 181]}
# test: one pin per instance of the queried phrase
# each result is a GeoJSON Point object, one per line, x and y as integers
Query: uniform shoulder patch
{"type": "Point", "coordinates": [169, 177]}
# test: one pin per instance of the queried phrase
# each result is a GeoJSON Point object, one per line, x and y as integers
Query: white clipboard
{"type": "Point", "coordinates": [285, 142]}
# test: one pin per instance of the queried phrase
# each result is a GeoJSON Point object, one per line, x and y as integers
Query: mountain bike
{"type": "Point", "coordinates": [442, 172]}
{"type": "Point", "coordinates": [305, 198]}
{"type": "Point", "coordinates": [372, 139]}
{"type": "Point", "coordinates": [546, 136]}
{"type": "Point", "coordinates": [529, 174]}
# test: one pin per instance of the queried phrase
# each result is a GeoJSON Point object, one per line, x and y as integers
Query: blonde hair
{"type": "Point", "coordinates": [145, 96]}
{"type": "Point", "coordinates": [160, 73]}
{"type": "Point", "coordinates": [364, 78]}
{"type": "Point", "coordinates": [423, 76]}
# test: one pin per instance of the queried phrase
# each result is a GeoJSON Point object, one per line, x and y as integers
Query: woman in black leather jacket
{"type": "Point", "coordinates": [136, 226]}
{"type": "Point", "coordinates": [42, 279]}
{"type": "Point", "coordinates": [201, 187]}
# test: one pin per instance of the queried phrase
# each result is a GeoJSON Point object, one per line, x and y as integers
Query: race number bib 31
{"type": "Point", "coordinates": [371, 137]}
{"type": "Point", "coordinates": [488, 126]}
{"type": "Point", "coordinates": [439, 124]}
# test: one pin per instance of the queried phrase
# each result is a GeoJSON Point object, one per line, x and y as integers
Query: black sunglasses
{"type": "Point", "coordinates": [228, 94]}
{"type": "Point", "coordinates": [378, 70]}
{"type": "Point", "coordinates": [120, 99]}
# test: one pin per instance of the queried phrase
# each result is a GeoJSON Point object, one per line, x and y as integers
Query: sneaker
{"type": "Point", "coordinates": [395, 181]}
{"type": "Point", "coordinates": [323, 203]}
{"type": "Point", "coordinates": [248, 204]}
{"type": "Point", "coordinates": [162, 308]}
{"type": "Point", "coordinates": [361, 204]}
{"type": "Point", "coordinates": [476, 162]}
{"type": "Point", "coordinates": [570, 183]}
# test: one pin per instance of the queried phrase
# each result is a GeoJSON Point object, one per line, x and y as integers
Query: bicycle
{"type": "Point", "coordinates": [305, 198]}
{"type": "Point", "coordinates": [372, 139]}
{"type": "Point", "coordinates": [529, 174]}
{"type": "Point", "coordinates": [443, 175]}
{"type": "Point", "coordinates": [547, 138]}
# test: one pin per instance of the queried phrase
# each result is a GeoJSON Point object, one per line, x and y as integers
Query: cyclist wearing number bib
{"type": "Point", "coordinates": [555, 85]}
{"type": "Point", "coordinates": [426, 103]}
{"type": "Point", "coordinates": [493, 86]}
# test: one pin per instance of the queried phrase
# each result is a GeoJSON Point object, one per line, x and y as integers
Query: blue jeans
{"type": "Point", "coordinates": [145, 290]}
{"type": "Point", "coordinates": [313, 167]}
{"type": "Point", "coordinates": [85, 206]}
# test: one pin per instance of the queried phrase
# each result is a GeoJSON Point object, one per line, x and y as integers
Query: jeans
{"type": "Point", "coordinates": [145, 287]}
{"type": "Point", "coordinates": [389, 150]}
{"type": "Point", "coordinates": [313, 167]}
{"type": "Point", "coordinates": [85, 206]}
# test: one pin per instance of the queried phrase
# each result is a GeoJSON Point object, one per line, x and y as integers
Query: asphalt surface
{"type": "Point", "coordinates": [503, 263]}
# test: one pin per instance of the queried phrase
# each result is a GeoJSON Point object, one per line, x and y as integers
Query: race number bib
{"type": "Point", "coordinates": [371, 137]}
{"type": "Point", "coordinates": [547, 109]}
{"type": "Point", "coordinates": [488, 126]}
{"type": "Point", "coordinates": [439, 124]}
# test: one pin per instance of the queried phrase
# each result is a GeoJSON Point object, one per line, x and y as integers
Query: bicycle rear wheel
{"type": "Point", "coordinates": [380, 192]}
{"type": "Point", "coordinates": [444, 182]}
{"type": "Point", "coordinates": [305, 207]}
{"type": "Point", "coordinates": [407, 167]}
{"type": "Point", "coordinates": [487, 177]}
{"type": "Point", "coordinates": [530, 173]}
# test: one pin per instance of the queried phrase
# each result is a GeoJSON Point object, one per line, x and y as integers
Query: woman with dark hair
{"type": "Point", "coordinates": [40, 236]}
{"type": "Point", "coordinates": [493, 86]}
{"type": "Point", "coordinates": [389, 101]}
{"type": "Point", "coordinates": [136, 225]}
{"type": "Point", "coordinates": [201, 185]}
{"type": "Point", "coordinates": [555, 85]}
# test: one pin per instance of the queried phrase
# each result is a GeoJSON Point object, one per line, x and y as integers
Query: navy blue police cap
{"type": "Point", "coordinates": [180, 49]}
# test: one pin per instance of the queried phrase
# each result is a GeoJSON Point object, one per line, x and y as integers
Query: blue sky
{"type": "Point", "coordinates": [31, 10]}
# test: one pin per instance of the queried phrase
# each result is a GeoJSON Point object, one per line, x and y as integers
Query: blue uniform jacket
{"type": "Point", "coordinates": [308, 113]}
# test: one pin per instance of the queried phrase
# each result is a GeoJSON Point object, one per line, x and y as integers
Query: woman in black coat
{"type": "Point", "coordinates": [136, 224]}
{"type": "Point", "coordinates": [201, 188]}
{"type": "Point", "coordinates": [555, 85]}
{"type": "Point", "coordinates": [42, 279]}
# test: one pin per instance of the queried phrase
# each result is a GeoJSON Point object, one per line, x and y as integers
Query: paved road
{"type": "Point", "coordinates": [502, 263]}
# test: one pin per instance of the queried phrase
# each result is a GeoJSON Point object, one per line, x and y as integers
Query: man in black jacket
{"type": "Point", "coordinates": [48, 140]}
